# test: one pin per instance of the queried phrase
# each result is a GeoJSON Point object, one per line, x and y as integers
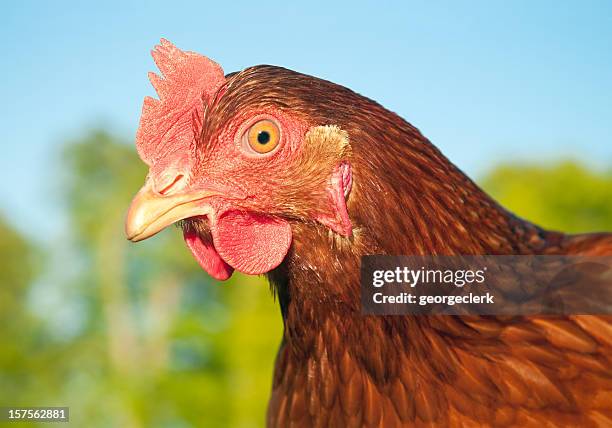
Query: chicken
{"type": "Point", "coordinates": [273, 172]}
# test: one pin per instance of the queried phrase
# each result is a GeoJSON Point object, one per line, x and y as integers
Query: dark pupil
{"type": "Point", "coordinates": [263, 137]}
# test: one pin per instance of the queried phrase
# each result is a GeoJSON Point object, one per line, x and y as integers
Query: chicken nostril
{"type": "Point", "coordinates": [172, 185]}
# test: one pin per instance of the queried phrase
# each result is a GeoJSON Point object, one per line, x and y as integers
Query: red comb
{"type": "Point", "coordinates": [187, 79]}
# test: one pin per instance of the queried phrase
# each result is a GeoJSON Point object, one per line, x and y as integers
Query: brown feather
{"type": "Point", "coordinates": [336, 367]}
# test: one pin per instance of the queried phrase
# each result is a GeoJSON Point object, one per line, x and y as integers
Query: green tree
{"type": "Point", "coordinates": [19, 333]}
{"type": "Point", "coordinates": [565, 196]}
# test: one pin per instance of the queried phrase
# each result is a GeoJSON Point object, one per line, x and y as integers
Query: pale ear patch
{"type": "Point", "coordinates": [329, 141]}
{"type": "Point", "coordinates": [332, 144]}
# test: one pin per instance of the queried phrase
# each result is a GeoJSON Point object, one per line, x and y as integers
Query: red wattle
{"type": "Point", "coordinates": [251, 243]}
{"type": "Point", "coordinates": [208, 257]}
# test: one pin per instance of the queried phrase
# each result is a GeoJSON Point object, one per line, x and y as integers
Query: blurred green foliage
{"type": "Point", "coordinates": [139, 336]}
{"type": "Point", "coordinates": [564, 196]}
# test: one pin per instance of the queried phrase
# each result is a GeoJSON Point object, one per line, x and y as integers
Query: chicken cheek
{"type": "Point", "coordinates": [251, 243]}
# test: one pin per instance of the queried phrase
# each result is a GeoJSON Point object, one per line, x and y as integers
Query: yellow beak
{"type": "Point", "coordinates": [150, 212]}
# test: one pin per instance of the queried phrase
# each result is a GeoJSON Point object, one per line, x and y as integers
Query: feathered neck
{"type": "Point", "coordinates": [406, 199]}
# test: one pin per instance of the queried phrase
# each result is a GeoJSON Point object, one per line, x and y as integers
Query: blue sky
{"type": "Point", "coordinates": [485, 81]}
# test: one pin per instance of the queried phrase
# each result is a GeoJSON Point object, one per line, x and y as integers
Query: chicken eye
{"type": "Point", "coordinates": [263, 136]}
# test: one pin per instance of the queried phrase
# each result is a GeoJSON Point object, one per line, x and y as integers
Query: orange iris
{"type": "Point", "coordinates": [264, 136]}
